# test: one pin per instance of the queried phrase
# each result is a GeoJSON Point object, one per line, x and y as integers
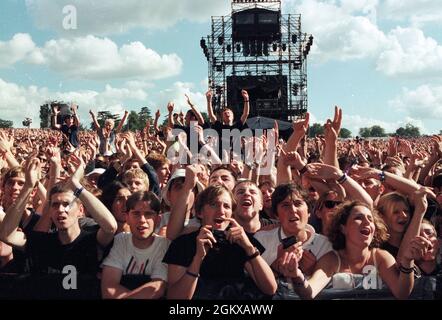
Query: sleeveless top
{"type": "Point", "coordinates": [368, 279]}
{"type": "Point", "coordinates": [104, 141]}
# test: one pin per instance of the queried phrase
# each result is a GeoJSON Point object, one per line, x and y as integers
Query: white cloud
{"type": "Point", "coordinates": [425, 102]}
{"type": "Point", "coordinates": [91, 58]}
{"type": "Point", "coordinates": [15, 49]}
{"type": "Point", "coordinates": [95, 58]}
{"type": "Point", "coordinates": [410, 52]}
{"type": "Point", "coordinates": [176, 94]}
{"type": "Point", "coordinates": [345, 32]}
{"type": "Point", "coordinates": [417, 12]}
{"type": "Point", "coordinates": [115, 16]}
{"type": "Point", "coordinates": [17, 101]}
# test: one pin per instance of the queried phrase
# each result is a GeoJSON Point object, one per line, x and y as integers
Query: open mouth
{"type": "Point", "coordinates": [219, 220]}
{"type": "Point", "coordinates": [246, 203]}
{"type": "Point", "coordinates": [61, 219]}
{"type": "Point", "coordinates": [402, 222]}
{"type": "Point", "coordinates": [294, 219]}
{"type": "Point", "coordinates": [366, 231]}
{"type": "Point", "coordinates": [142, 228]}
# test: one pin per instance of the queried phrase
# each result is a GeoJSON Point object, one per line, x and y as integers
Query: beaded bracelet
{"type": "Point", "coordinates": [382, 176]}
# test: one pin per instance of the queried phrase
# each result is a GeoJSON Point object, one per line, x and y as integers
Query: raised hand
{"type": "Point", "coordinates": [209, 95]}
{"type": "Point", "coordinates": [337, 120]}
{"type": "Point", "coordinates": [191, 176]}
{"type": "Point", "coordinates": [236, 234]}
{"type": "Point", "coordinates": [245, 95]}
{"type": "Point", "coordinates": [301, 125]}
{"type": "Point", "coordinates": [204, 241]}
{"type": "Point", "coordinates": [79, 166]}
{"type": "Point", "coordinates": [157, 114]}
{"type": "Point", "coordinates": [323, 171]}
{"type": "Point", "coordinates": [32, 171]}
{"type": "Point", "coordinates": [188, 100]}
{"type": "Point", "coordinates": [170, 107]}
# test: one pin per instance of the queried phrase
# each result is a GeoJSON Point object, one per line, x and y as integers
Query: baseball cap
{"type": "Point", "coordinates": [178, 173]}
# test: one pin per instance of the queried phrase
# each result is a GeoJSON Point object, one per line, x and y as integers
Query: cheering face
{"type": "Point", "coordinates": [136, 184]}
{"type": "Point", "coordinates": [119, 205]}
{"type": "Point", "coordinates": [214, 213]}
{"type": "Point", "coordinates": [293, 214]}
{"type": "Point", "coordinates": [397, 217]}
{"type": "Point", "coordinates": [64, 212]}
{"type": "Point", "coordinates": [227, 116]}
{"type": "Point", "coordinates": [163, 173]}
{"type": "Point", "coordinates": [428, 231]}
{"type": "Point", "coordinates": [249, 200]}
{"type": "Point", "coordinates": [359, 228]}
{"type": "Point", "coordinates": [142, 220]}
{"type": "Point", "coordinates": [12, 189]}
{"type": "Point", "coordinates": [267, 191]}
{"type": "Point", "coordinates": [222, 177]}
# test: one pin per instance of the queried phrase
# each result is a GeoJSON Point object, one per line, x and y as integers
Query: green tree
{"type": "Point", "coordinates": [409, 131]}
{"type": "Point", "coordinates": [143, 116]}
{"type": "Point", "coordinates": [6, 123]}
{"type": "Point", "coordinates": [133, 122]}
{"type": "Point", "coordinates": [378, 131]}
{"type": "Point", "coordinates": [345, 133]}
{"type": "Point", "coordinates": [315, 129]}
{"type": "Point", "coordinates": [45, 116]}
{"type": "Point", "coordinates": [374, 131]}
{"type": "Point", "coordinates": [102, 116]}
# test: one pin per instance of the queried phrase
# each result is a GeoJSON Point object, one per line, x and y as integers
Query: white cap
{"type": "Point", "coordinates": [178, 173]}
{"type": "Point", "coordinates": [96, 171]}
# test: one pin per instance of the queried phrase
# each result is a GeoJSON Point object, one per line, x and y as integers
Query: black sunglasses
{"type": "Point", "coordinates": [330, 204]}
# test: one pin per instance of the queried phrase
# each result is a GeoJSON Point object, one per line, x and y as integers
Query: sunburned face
{"type": "Point", "coordinates": [214, 213]}
{"type": "Point", "coordinates": [360, 227]}
{"type": "Point", "coordinates": [249, 200]}
{"type": "Point", "coordinates": [293, 214]}
{"type": "Point", "coordinates": [222, 177]}
{"type": "Point", "coordinates": [397, 217]}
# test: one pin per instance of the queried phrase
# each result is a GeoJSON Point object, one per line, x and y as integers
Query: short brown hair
{"type": "Point", "coordinates": [340, 218]}
{"type": "Point", "coordinates": [17, 171]}
{"type": "Point", "coordinates": [209, 195]}
{"type": "Point", "coordinates": [283, 191]}
{"type": "Point", "coordinates": [156, 160]}
{"type": "Point", "coordinates": [147, 196]}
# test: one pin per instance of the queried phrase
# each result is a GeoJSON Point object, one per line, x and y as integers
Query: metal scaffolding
{"type": "Point", "coordinates": [281, 58]}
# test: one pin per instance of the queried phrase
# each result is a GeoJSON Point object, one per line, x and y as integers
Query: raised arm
{"type": "Point", "coordinates": [353, 189]}
{"type": "Point", "coordinates": [198, 114]}
{"type": "Point", "coordinates": [180, 211]}
{"type": "Point", "coordinates": [5, 148]}
{"type": "Point", "coordinates": [98, 211]}
{"type": "Point", "coordinates": [155, 123]}
{"type": "Point", "coordinates": [94, 120]}
{"type": "Point", "coordinates": [299, 130]}
{"type": "Point", "coordinates": [331, 132]}
{"type": "Point", "coordinates": [170, 107]}
{"type": "Point", "coordinates": [246, 109]}
{"type": "Point", "coordinates": [121, 124]}
{"type": "Point", "coordinates": [74, 109]}
{"type": "Point", "coordinates": [8, 227]}
{"type": "Point", "coordinates": [209, 97]}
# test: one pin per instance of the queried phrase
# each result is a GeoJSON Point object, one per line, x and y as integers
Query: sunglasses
{"type": "Point", "coordinates": [330, 204]}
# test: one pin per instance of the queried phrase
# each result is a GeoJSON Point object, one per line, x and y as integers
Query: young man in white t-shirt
{"type": "Point", "coordinates": [288, 203]}
{"type": "Point", "coordinates": [139, 252]}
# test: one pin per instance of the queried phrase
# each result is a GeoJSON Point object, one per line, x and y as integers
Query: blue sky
{"type": "Point", "coordinates": [380, 60]}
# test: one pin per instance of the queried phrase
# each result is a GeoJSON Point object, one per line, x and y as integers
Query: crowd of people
{"type": "Point", "coordinates": [173, 212]}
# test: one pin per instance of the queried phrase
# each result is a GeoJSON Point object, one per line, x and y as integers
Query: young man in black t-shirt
{"type": "Point", "coordinates": [227, 122]}
{"type": "Point", "coordinates": [69, 246]}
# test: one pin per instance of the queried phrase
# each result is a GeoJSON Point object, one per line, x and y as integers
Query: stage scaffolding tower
{"type": "Point", "coordinates": [259, 49]}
